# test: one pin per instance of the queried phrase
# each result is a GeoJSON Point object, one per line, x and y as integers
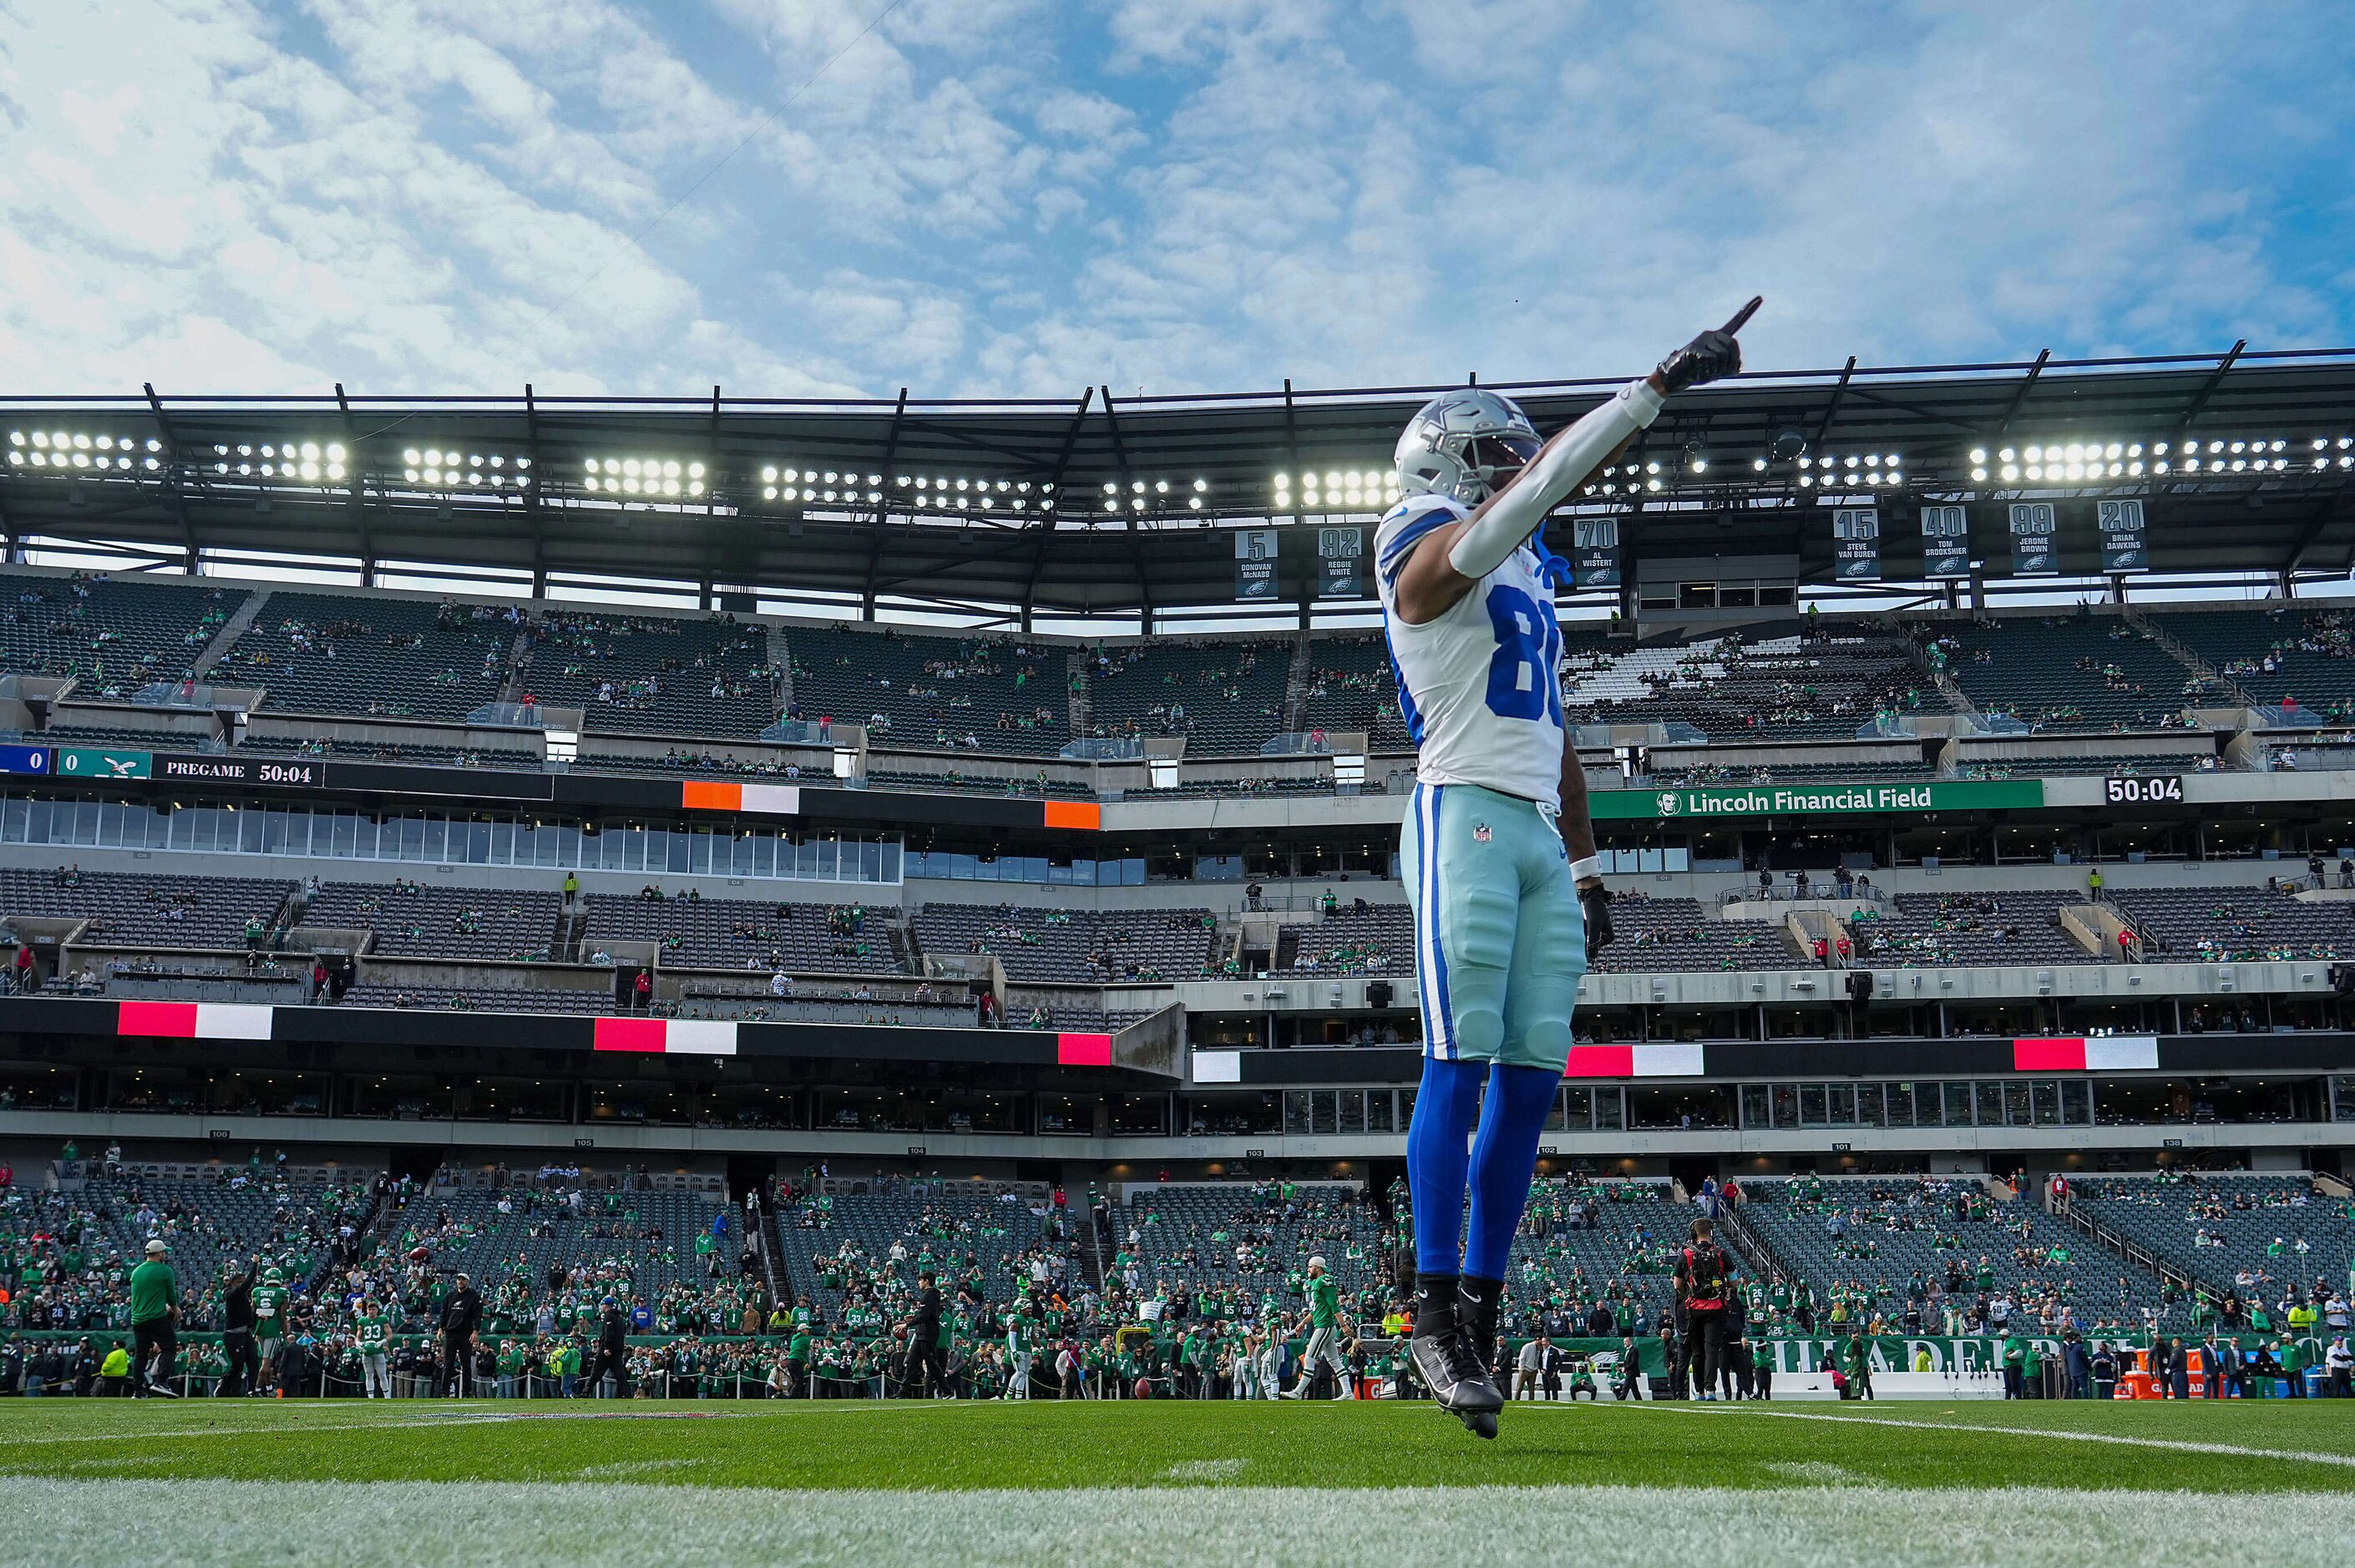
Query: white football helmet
{"type": "Point", "coordinates": [1465, 445]}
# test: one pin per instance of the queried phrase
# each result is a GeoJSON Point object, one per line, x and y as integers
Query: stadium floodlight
{"type": "Point", "coordinates": [1979, 474]}
{"type": "Point", "coordinates": [663, 477]}
{"type": "Point", "coordinates": [1978, 454]}
{"type": "Point", "coordinates": [1806, 480]}
{"type": "Point", "coordinates": [1160, 487]}
{"type": "Point", "coordinates": [1758, 465]}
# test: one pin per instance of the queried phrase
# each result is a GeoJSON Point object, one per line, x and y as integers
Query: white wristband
{"type": "Point", "coordinates": [1590, 865]}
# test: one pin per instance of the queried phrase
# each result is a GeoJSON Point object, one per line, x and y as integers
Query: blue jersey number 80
{"type": "Point", "coordinates": [1523, 682]}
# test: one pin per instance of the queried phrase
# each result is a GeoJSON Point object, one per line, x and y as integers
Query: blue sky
{"type": "Point", "coordinates": [1003, 197]}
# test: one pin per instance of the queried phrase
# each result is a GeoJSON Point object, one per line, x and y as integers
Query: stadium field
{"type": "Point", "coordinates": [1176, 1483]}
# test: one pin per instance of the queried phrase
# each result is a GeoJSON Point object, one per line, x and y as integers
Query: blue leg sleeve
{"type": "Point", "coordinates": [1435, 1159]}
{"type": "Point", "coordinates": [1504, 1156]}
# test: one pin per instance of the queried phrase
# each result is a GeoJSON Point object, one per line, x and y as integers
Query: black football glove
{"type": "Point", "coordinates": [1711, 356]}
{"type": "Point", "coordinates": [1594, 903]}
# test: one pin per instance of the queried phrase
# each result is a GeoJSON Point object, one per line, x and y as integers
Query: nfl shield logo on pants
{"type": "Point", "coordinates": [1480, 833]}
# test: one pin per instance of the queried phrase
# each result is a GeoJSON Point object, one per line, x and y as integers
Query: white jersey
{"type": "Point", "coordinates": [1480, 687]}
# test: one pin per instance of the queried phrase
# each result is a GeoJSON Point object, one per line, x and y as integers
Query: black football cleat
{"type": "Point", "coordinates": [1454, 1372]}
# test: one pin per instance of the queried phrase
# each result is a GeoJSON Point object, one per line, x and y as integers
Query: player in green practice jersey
{"type": "Point", "coordinates": [271, 1300]}
{"type": "Point", "coordinates": [1324, 1326]}
{"type": "Point", "coordinates": [1021, 1350]}
{"type": "Point", "coordinates": [373, 1335]}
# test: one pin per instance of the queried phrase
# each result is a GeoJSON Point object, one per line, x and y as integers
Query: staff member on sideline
{"type": "Point", "coordinates": [1701, 1273]}
{"type": "Point", "coordinates": [154, 1312]}
{"type": "Point", "coordinates": [237, 1331]}
{"type": "Point", "coordinates": [461, 1313]}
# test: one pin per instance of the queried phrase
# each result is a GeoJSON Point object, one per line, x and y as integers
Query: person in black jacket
{"type": "Point", "coordinates": [926, 1367]}
{"type": "Point", "coordinates": [462, 1313]}
{"type": "Point", "coordinates": [237, 1331]}
{"type": "Point", "coordinates": [612, 1349]}
{"type": "Point", "coordinates": [1733, 1372]}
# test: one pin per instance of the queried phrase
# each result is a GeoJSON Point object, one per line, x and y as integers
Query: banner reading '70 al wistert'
{"type": "Point", "coordinates": [1819, 799]}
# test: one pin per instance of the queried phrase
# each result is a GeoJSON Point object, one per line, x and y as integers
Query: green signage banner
{"type": "Point", "coordinates": [101, 762]}
{"type": "Point", "coordinates": [1862, 799]}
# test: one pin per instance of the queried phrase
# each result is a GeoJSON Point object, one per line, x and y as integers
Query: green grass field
{"type": "Point", "coordinates": [2077, 1484]}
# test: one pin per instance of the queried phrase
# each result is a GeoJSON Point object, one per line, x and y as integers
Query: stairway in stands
{"type": "Point", "coordinates": [231, 630]}
{"type": "Point", "coordinates": [1296, 688]}
{"type": "Point", "coordinates": [1075, 678]}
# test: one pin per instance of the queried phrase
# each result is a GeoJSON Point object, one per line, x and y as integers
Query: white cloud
{"type": "Point", "coordinates": [231, 215]}
{"type": "Point", "coordinates": [1009, 195]}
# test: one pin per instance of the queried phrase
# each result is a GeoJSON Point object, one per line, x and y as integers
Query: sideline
{"type": "Point", "coordinates": [464, 1418]}
{"type": "Point", "coordinates": [2179, 1444]}
{"type": "Point", "coordinates": [103, 1523]}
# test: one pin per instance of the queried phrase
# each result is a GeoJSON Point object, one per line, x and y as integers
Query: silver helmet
{"type": "Point", "coordinates": [1465, 445]}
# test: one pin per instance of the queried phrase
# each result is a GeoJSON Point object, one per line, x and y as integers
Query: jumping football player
{"type": "Point", "coordinates": [1496, 850]}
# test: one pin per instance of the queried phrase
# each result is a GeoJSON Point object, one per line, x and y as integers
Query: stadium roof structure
{"type": "Point", "coordinates": [1099, 504]}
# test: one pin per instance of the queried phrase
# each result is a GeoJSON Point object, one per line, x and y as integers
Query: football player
{"type": "Point", "coordinates": [1497, 850]}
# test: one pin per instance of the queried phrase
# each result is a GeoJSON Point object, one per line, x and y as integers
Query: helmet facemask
{"type": "Point", "coordinates": [1492, 460]}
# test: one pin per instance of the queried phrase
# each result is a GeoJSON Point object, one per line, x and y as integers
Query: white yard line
{"type": "Point", "coordinates": [259, 1425]}
{"type": "Point", "coordinates": [105, 1522]}
{"type": "Point", "coordinates": [295, 1426]}
{"type": "Point", "coordinates": [2179, 1444]}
